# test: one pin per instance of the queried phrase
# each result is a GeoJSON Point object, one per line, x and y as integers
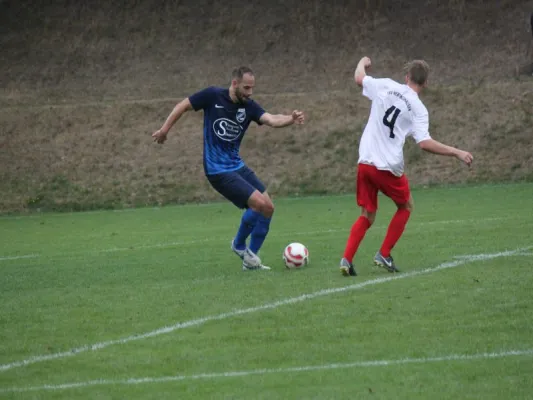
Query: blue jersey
{"type": "Point", "coordinates": [225, 123]}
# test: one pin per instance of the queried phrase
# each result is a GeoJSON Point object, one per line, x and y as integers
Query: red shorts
{"type": "Point", "coordinates": [370, 180]}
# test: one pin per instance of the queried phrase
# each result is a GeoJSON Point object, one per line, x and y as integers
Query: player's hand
{"type": "Point", "coordinates": [298, 117]}
{"type": "Point", "coordinates": [465, 157]}
{"type": "Point", "coordinates": [366, 62]}
{"type": "Point", "coordinates": [159, 136]}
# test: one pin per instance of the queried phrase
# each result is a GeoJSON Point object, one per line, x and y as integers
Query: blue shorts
{"type": "Point", "coordinates": [237, 186]}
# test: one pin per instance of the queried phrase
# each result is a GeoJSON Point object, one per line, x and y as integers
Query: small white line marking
{"type": "Point", "coordinates": [308, 368]}
{"type": "Point", "coordinates": [268, 306]}
{"type": "Point", "coordinates": [6, 258]}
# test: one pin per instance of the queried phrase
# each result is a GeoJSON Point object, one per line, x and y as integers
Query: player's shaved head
{"type": "Point", "coordinates": [417, 71]}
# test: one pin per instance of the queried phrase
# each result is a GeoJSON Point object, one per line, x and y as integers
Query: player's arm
{"type": "Point", "coordinates": [161, 134]}
{"type": "Point", "coordinates": [281, 120]}
{"type": "Point", "coordinates": [360, 71]}
{"type": "Point", "coordinates": [432, 146]}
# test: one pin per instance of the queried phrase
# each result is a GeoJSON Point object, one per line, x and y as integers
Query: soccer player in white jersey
{"type": "Point", "coordinates": [396, 114]}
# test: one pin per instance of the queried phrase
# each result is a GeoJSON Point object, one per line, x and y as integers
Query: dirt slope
{"type": "Point", "coordinates": [83, 86]}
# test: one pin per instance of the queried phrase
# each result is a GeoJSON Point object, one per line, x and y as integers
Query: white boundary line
{"type": "Point", "coordinates": [308, 368]}
{"type": "Point", "coordinates": [211, 239]}
{"type": "Point", "coordinates": [268, 306]}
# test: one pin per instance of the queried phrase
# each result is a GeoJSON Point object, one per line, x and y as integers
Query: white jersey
{"type": "Point", "coordinates": [396, 114]}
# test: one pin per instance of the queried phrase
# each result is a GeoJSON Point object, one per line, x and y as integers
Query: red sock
{"type": "Point", "coordinates": [396, 227]}
{"type": "Point", "coordinates": [357, 234]}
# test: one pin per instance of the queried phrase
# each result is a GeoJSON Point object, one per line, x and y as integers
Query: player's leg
{"type": "Point", "coordinates": [367, 199]}
{"type": "Point", "coordinates": [260, 202]}
{"type": "Point", "coordinates": [397, 188]}
{"type": "Point", "coordinates": [262, 227]}
{"type": "Point", "coordinates": [237, 190]}
{"type": "Point", "coordinates": [259, 210]}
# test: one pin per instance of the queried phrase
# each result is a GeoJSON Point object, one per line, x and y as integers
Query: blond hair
{"type": "Point", "coordinates": [417, 71]}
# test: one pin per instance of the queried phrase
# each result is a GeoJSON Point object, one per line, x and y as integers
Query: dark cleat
{"type": "Point", "coordinates": [385, 262]}
{"type": "Point", "coordinates": [347, 268]}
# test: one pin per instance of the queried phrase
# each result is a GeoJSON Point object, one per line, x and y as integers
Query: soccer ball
{"type": "Point", "coordinates": [295, 255]}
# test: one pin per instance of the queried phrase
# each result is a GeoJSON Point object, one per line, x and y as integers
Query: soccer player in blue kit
{"type": "Point", "coordinates": [227, 115]}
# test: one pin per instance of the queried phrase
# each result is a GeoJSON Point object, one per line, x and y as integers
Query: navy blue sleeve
{"type": "Point", "coordinates": [202, 99]}
{"type": "Point", "coordinates": [256, 111]}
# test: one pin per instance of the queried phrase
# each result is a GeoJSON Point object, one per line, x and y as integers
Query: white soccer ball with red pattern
{"type": "Point", "coordinates": [296, 255]}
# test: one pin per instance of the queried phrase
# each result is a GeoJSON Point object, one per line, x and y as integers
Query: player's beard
{"type": "Point", "coordinates": [242, 99]}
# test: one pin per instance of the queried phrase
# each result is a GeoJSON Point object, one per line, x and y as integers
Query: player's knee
{"type": "Point", "coordinates": [267, 209]}
{"type": "Point", "coordinates": [371, 216]}
{"type": "Point", "coordinates": [410, 205]}
{"type": "Point", "coordinates": [263, 207]}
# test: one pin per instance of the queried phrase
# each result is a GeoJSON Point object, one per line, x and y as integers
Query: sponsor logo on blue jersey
{"type": "Point", "coordinates": [226, 129]}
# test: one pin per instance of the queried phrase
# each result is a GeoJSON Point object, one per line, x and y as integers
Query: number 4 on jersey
{"type": "Point", "coordinates": [390, 122]}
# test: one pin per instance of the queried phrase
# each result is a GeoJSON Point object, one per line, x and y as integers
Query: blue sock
{"type": "Point", "coordinates": [259, 233]}
{"type": "Point", "coordinates": [248, 222]}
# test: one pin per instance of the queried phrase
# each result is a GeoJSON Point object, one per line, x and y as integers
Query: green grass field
{"type": "Point", "coordinates": [152, 304]}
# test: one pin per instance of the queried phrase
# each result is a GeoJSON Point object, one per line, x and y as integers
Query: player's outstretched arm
{"type": "Point", "coordinates": [360, 71]}
{"type": "Point", "coordinates": [281, 120]}
{"type": "Point", "coordinates": [161, 134]}
{"type": "Point", "coordinates": [432, 146]}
